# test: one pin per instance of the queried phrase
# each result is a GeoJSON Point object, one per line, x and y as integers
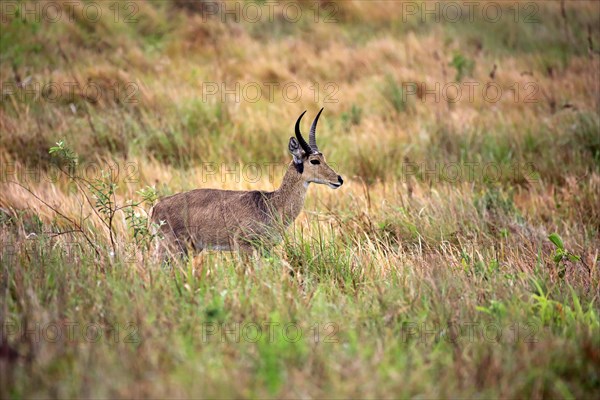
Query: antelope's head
{"type": "Point", "coordinates": [309, 161]}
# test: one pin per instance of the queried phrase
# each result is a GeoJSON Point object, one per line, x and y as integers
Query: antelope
{"type": "Point", "coordinates": [241, 221]}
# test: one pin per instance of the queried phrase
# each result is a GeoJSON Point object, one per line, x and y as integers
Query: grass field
{"type": "Point", "coordinates": [459, 259]}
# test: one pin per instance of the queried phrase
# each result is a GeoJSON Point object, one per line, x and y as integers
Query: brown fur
{"type": "Point", "coordinates": [240, 220]}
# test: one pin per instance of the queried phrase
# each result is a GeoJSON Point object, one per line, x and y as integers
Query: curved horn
{"type": "Point", "coordinates": [313, 130]}
{"type": "Point", "coordinates": [301, 140]}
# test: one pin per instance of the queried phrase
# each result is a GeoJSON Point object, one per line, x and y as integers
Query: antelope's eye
{"type": "Point", "coordinates": [315, 162]}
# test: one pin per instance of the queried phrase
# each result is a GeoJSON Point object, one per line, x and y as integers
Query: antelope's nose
{"type": "Point", "coordinates": [340, 180]}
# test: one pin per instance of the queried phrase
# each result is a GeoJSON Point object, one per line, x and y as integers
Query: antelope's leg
{"type": "Point", "coordinates": [243, 250]}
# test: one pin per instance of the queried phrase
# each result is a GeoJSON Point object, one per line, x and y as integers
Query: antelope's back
{"type": "Point", "coordinates": [211, 217]}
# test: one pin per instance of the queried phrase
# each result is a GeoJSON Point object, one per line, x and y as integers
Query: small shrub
{"type": "Point", "coordinates": [464, 66]}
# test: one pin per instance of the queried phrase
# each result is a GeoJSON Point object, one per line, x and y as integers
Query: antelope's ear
{"type": "Point", "coordinates": [296, 151]}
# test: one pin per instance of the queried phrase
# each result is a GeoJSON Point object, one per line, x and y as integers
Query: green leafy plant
{"type": "Point", "coordinates": [495, 309]}
{"type": "Point", "coordinates": [562, 256]}
{"type": "Point", "coordinates": [63, 154]}
{"type": "Point", "coordinates": [100, 194]}
{"type": "Point", "coordinates": [464, 66]}
{"type": "Point", "coordinates": [142, 230]}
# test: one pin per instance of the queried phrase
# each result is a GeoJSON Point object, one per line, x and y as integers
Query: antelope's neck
{"type": "Point", "coordinates": [288, 200]}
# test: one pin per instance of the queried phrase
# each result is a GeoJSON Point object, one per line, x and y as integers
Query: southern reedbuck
{"type": "Point", "coordinates": [242, 220]}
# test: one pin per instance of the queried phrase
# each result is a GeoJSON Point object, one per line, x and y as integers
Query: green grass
{"type": "Point", "coordinates": [416, 326]}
